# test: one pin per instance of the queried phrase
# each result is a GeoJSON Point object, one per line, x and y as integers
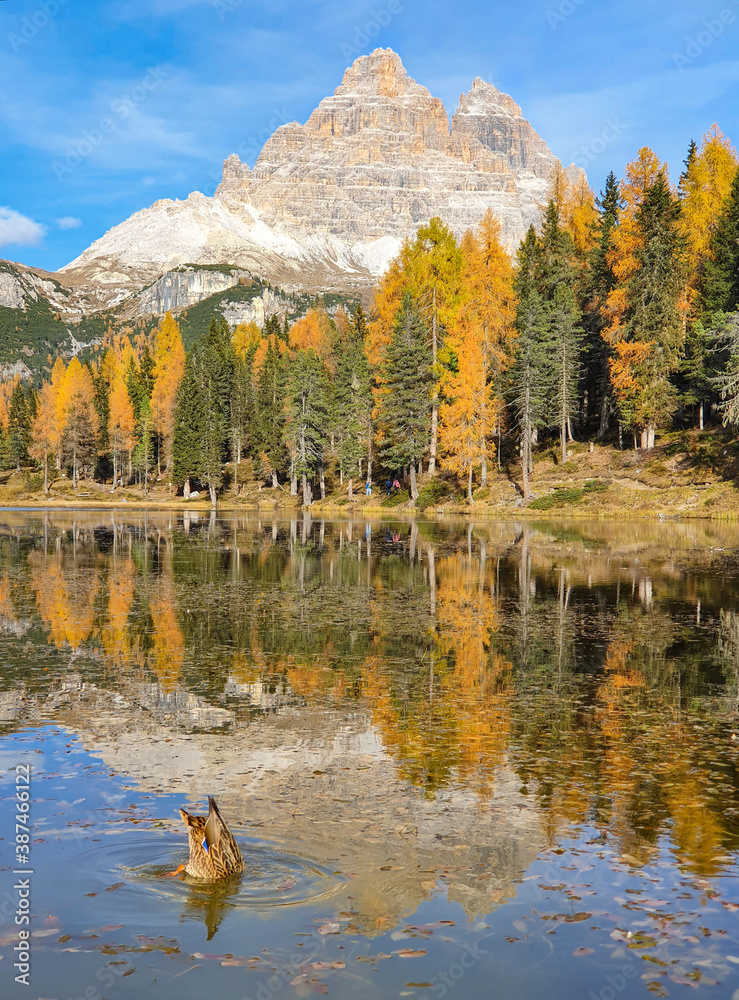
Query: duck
{"type": "Point", "coordinates": [214, 854]}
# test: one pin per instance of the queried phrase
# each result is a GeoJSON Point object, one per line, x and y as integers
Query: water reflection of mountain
{"type": "Point", "coordinates": [593, 666]}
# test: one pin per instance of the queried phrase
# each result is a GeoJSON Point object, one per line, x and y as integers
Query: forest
{"type": "Point", "coordinates": [618, 318]}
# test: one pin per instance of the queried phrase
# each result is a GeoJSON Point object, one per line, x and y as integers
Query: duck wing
{"type": "Point", "coordinates": [223, 850]}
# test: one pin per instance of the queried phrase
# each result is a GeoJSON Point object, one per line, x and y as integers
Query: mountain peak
{"type": "Point", "coordinates": [380, 74]}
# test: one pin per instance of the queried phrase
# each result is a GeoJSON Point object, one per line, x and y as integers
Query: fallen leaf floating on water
{"type": "Point", "coordinates": [329, 928]}
{"type": "Point", "coordinates": [579, 952]}
{"type": "Point", "coordinates": [112, 888]}
{"type": "Point", "coordinates": [327, 965]}
{"type": "Point", "coordinates": [409, 953]}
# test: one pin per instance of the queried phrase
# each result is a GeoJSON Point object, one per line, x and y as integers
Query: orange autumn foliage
{"type": "Point", "coordinates": [169, 367]}
{"type": "Point", "coordinates": [312, 333]}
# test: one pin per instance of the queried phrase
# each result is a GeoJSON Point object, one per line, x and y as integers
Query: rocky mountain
{"type": "Point", "coordinates": [327, 203]}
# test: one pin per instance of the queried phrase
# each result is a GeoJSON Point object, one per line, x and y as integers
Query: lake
{"type": "Point", "coordinates": [461, 760]}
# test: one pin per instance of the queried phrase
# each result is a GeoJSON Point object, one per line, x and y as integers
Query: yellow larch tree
{"type": "Point", "coordinates": [469, 408]}
{"type": "Point", "coordinates": [81, 419]}
{"type": "Point", "coordinates": [46, 433]}
{"type": "Point", "coordinates": [169, 367]}
{"type": "Point", "coordinates": [245, 337]}
{"type": "Point", "coordinates": [705, 187]}
{"type": "Point", "coordinates": [641, 174]}
{"type": "Point", "coordinates": [121, 425]}
{"type": "Point", "coordinates": [58, 378]}
{"type": "Point", "coordinates": [488, 303]}
{"type": "Point", "coordinates": [312, 332]}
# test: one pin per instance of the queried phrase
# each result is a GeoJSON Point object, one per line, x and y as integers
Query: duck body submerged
{"type": "Point", "coordinates": [214, 854]}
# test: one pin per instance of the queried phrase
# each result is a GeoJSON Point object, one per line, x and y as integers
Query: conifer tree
{"type": "Point", "coordinates": [307, 413]}
{"type": "Point", "coordinates": [720, 283]}
{"type": "Point", "coordinates": [600, 283]}
{"type": "Point", "coordinates": [405, 405]}
{"type": "Point", "coordinates": [19, 427]}
{"type": "Point", "coordinates": [242, 409]}
{"type": "Point", "coordinates": [434, 268]}
{"type": "Point", "coordinates": [652, 317]}
{"type": "Point", "coordinates": [556, 276]}
{"type": "Point", "coordinates": [143, 453]}
{"type": "Point", "coordinates": [168, 367]}
{"type": "Point", "coordinates": [121, 427]}
{"type": "Point", "coordinates": [80, 417]}
{"type": "Point", "coordinates": [187, 426]}
{"type": "Point", "coordinates": [352, 401]}
{"type": "Point", "coordinates": [270, 410]}
{"type": "Point", "coordinates": [44, 432]}
{"type": "Point", "coordinates": [530, 375]}
{"type": "Point", "coordinates": [487, 301]}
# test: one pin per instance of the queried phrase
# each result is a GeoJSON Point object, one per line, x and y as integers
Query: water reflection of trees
{"type": "Point", "coordinates": [599, 669]}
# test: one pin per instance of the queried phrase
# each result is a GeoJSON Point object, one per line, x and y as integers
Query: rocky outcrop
{"type": "Point", "coordinates": [329, 202]}
{"type": "Point", "coordinates": [180, 289]}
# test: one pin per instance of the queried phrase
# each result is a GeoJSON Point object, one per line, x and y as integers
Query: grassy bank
{"type": "Point", "coordinates": [687, 475]}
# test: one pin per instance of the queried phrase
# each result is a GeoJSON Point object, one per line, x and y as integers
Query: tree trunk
{"type": "Point", "coordinates": [369, 450]}
{"type": "Point", "coordinates": [483, 470]}
{"type": "Point", "coordinates": [525, 446]}
{"type": "Point", "coordinates": [469, 486]}
{"type": "Point", "coordinates": [274, 479]}
{"type": "Point", "coordinates": [115, 468]}
{"type": "Point", "coordinates": [186, 489]}
{"type": "Point", "coordinates": [650, 436]}
{"type": "Point", "coordinates": [212, 491]}
{"type": "Point", "coordinates": [350, 490]}
{"type": "Point", "coordinates": [700, 416]}
{"type": "Point", "coordinates": [306, 491]}
{"type": "Point", "coordinates": [323, 483]}
{"type": "Point", "coordinates": [435, 401]}
{"type": "Point", "coordinates": [414, 487]}
{"type": "Point", "coordinates": [46, 473]}
{"type": "Point", "coordinates": [563, 414]}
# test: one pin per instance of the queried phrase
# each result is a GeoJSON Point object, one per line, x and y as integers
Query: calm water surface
{"type": "Point", "coordinates": [465, 761]}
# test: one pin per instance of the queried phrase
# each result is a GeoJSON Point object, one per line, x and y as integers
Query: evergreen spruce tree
{"type": "Point", "coordinates": [720, 285]}
{"type": "Point", "coordinates": [352, 401]}
{"type": "Point", "coordinates": [405, 406]}
{"type": "Point", "coordinates": [187, 426]}
{"type": "Point", "coordinates": [270, 412]}
{"type": "Point", "coordinates": [556, 277]}
{"type": "Point", "coordinates": [242, 410]}
{"type": "Point", "coordinates": [600, 282]}
{"type": "Point", "coordinates": [530, 375]}
{"type": "Point", "coordinates": [19, 428]}
{"type": "Point", "coordinates": [213, 424]}
{"type": "Point", "coordinates": [688, 162]}
{"type": "Point", "coordinates": [307, 417]}
{"type": "Point", "coordinates": [653, 316]}
{"type": "Point", "coordinates": [102, 408]}
{"type": "Point", "coordinates": [145, 450]}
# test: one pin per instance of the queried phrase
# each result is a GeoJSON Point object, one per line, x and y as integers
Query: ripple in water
{"type": "Point", "coordinates": [272, 877]}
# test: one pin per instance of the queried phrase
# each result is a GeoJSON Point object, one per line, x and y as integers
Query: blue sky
{"type": "Point", "coordinates": [106, 107]}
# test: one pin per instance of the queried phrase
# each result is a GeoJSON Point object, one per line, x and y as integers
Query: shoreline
{"type": "Point", "coordinates": [689, 475]}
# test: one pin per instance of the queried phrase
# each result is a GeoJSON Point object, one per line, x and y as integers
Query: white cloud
{"type": "Point", "coordinates": [19, 229]}
{"type": "Point", "coordinates": [69, 222]}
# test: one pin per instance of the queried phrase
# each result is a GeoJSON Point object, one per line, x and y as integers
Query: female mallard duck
{"type": "Point", "coordinates": [214, 853]}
